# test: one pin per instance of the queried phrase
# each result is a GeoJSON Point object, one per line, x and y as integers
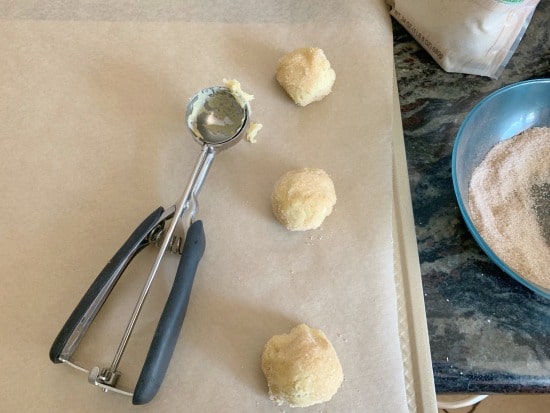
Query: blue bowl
{"type": "Point", "coordinates": [497, 117]}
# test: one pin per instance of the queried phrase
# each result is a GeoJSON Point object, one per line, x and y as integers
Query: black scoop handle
{"type": "Point", "coordinates": [171, 320]}
{"type": "Point", "coordinates": [90, 304]}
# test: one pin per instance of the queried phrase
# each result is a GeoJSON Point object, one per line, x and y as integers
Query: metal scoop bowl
{"type": "Point", "coordinates": [216, 117]}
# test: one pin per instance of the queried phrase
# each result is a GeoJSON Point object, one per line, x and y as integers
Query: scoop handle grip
{"type": "Point", "coordinates": [170, 323]}
{"type": "Point", "coordinates": [90, 304]}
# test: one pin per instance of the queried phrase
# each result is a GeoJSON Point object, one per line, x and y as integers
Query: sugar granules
{"type": "Point", "coordinates": [509, 199]}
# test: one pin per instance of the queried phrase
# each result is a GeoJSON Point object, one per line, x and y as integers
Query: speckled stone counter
{"type": "Point", "coordinates": [488, 333]}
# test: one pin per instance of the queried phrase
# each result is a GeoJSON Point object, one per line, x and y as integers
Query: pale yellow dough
{"type": "Point", "coordinates": [305, 74]}
{"type": "Point", "coordinates": [252, 131]}
{"type": "Point", "coordinates": [235, 87]}
{"type": "Point", "coordinates": [301, 367]}
{"type": "Point", "coordinates": [303, 198]}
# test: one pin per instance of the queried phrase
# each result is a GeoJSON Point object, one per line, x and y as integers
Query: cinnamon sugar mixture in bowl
{"type": "Point", "coordinates": [501, 177]}
{"type": "Point", "coordinates": [509, 199]}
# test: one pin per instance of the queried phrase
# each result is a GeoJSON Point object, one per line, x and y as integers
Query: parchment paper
{"type": "Point", "coordinates": [93, 139]}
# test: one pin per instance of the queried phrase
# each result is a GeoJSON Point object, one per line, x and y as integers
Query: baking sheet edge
{"type": "Point", "coordinates": [413, 331]}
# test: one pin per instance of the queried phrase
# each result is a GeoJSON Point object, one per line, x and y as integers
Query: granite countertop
{"type": "Point", "coordinates": [488, 333]}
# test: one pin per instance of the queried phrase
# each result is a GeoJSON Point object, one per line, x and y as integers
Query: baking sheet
{"type": "Point", "coordinates": [411, 313]}
{"type": "Point", "coordinates": [94, 139]}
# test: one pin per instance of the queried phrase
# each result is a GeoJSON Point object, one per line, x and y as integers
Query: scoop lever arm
{"type": "Point", "coordinates": [168, 329]}
{"type": "Point", "coordinates": [84, 313]}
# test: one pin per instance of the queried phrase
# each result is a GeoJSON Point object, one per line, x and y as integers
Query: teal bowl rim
{"type": "Point", "coordinates": [465, 215]}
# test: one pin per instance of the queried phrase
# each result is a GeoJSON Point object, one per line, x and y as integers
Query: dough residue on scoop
{"type": "Point", "coordinates": [235, 87]}
{"type": "Point", "coordinates": [306, 75]}
{"type": "Point", "coordinates": [243, 98]}
{"type": "Point", "coordinates": [301, 367]}
{"type": "Point", "coordinates": [303, 198]}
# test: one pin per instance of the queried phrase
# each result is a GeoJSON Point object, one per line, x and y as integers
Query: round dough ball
{"type": "Point", "coordinates": [303, 198]}
{"type": "Point", "coordinates": [301, 367]}
{"type": "Point", "coordinates": [305, 74]}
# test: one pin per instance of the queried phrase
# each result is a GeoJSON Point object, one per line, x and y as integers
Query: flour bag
{"type": "Point", "coordinates": [466, 36]}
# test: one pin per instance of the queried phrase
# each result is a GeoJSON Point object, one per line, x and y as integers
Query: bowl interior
{"type": "Point", "coordinates": [498, 117]}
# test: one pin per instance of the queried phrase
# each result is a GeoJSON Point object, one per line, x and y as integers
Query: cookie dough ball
{"type": "Point", "coordinates": [303, 198]}
{"type": "Point", "coordinates": [305, 74]}
{"type": "Point", "coordinates": [301, 367]}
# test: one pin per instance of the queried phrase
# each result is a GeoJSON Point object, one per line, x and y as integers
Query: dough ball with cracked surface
{"type": "Point", "coordinates": [305, 74]}
{"type": "Point", "coordinates": [303, 198]}
{"type": "Point", "coordinates": [301, 367]}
